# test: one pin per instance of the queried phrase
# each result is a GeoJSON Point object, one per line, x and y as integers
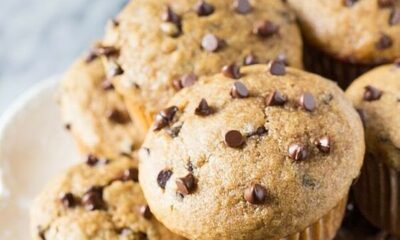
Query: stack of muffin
{"type": "Point", "coordinates": [195, 120]}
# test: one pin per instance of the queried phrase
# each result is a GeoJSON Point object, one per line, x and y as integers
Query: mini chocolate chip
{"type": "Point", "coordinates": [385, 41]}
{"type": "Point", "coordinates": [255, 194]}
{"type": "Point", "coordinates": [190, 167]}
{"type": "Point", "coordinates": [114, 69]}
{"type": "Point", "coordinates": [250, 59]}
{"type": "Point", "coordinates": [261, 130]}
{"type": "Point", "coordinates": [68, 200]}
{"type": "Point", "coordinates": [91, 160]}
{"type": "Point", "coordinates": [131, 174]}
{"type": "Point", "coordinates": [67, 126]}
{"type": "Point", "coordinates": [115, 22]}
{"type": "Point", "coordinates": [231, 71]}
{"type": "Point", "coordinates": [242, 6]}
{"type": "Point", "coordinates": [145, 211]}
{"type": "Point", "coordinates": [170, 16]}
{"type": "Point", "coordinates": [164, 117]}
{"type": "Point", "coordinates": [323, 144]}
{"type": "Point", "coordinates": [395, 16]}
{"type": "Point", "coordinates": [386, 3]}
{"type": "Point", "coordinates": [203, 8]}
{"type": "Point", "coordinates": [349, 3]}
{"type": "Point", "coordinates": [186, 185]}
{"type": "Point", "coordinates": [277, 68]}
{"type": "Point", "coordinates": [177, 84]}
{"type": "Point", "coordinates": [234, 139]}
{"type": "Point", "coordinates": [239, 90]}
{"type": "Point", "coordinates": [118, 116]}
{"type": "Point", "coordinates": [188, 80]}
{"type": "Point", "coordinates": [297, 151]}
{"type": "Point", "coordinates": [275, 99]}
{"type": "Point", "coordinates": [372, 94]}
{"type": "Point", "coordinates": [174, 131]}
{"type": "Point", "coordinates": [163, 177]}
{"type": "Point", "coordinates": [203, 109]}
{"type": "Point", "coordinates": [93, 199]}
{"type": "Point", "coordinates": [265, 28]}
{"type": "Point", "coordinates": [107, 85]}
{"type": "Point", "coordinates": [307, 102]}
{"type": "Point", "coordinates": [211, 43]}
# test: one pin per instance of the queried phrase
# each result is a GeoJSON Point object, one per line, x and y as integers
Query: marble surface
{"type": "Point", "coordinates": [40, 38]}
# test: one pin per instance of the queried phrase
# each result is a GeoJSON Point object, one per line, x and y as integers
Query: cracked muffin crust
{"type": "Point", "coordinates": [94, 112]}
{"type": "Point", "coordinates": [165, 45]}
{"type": "Point", "coordinates": [96, 201]}
{"type": "Point", "coordinates": [261, 157]}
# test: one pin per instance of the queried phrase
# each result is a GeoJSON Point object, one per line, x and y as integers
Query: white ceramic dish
{"type": "Point", "coordinates": [33, 148]}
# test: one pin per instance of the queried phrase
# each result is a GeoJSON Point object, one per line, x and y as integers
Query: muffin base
{"type": "Point", "coordinates": [339, 71]}
{"type": "Point", "coordinates": [325, 228]}
{"type": "Point", "coordinates": [377, 193]}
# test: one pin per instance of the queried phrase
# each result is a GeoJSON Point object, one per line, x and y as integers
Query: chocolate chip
{"type": "Point", "coordinates": [203, 109]}
{"type": "Point", "coordinates": [115, 22]}
{"type": "Point", "coordinates": [255, 194]}
{"type": "Point", "coordinates": [114, 69]}
{"type": "Point", "coordinates": [93, 199]}
{"type": "Point", "coordinates": [91, 160]}
{"type": "Point", "coordinates": [67, 126]}
{"type": "Point", "coordinates": [242, 6]}
{"type": "Point", "coordinates": [386, 3]}
{"type": "Point", "coordinates": [107, 51]}
{"type": "Point", "coordinates": [131, 174]}
{"type": "Point", "coordinates": [186, 185]}
{"type": "Point", "coordinates": [323, 144]}
{"type": "Point", "coordinates": [372, 94]}
{"type": "Point", "coordinates": [118, 116]}
{"type": "Point", "coordinates": [261, 130]}
{"type": "Point", "coordinates": [145, 211]}
{"type": "Point", "coordinates": [307, 102]}
{"type": "Point", "coordinates": [265, 28]}
{"type": "Point", "coordinates": [297, 151]}
{"type": "Point", "coordinates": [68, 200]}
{"type": "Point", "coordinates": [91, 56]}
{"type": "Point", "coordinates": [163, 177]}
{"type": "Point", "coordinates": [277, 68]}
{"type": "Point", "coordinates": [394, 17]}
{"type": "Point", "coordinates": [107, 85]}
{"type": "Point", "coordinates": [170, 16]}
{"type": "Point", "coordinates": [234, 139]}
{"type": "Point", "coordinates": [231, 71]}
{"type": "Point", "coordinates": [203, 8]}
{"type": "Point", "coordinates": [211, 43]}
{"type": "Point", "coordinates": [275, 99]}
{"type": "Point", "coordinates": [164, 118]}
{"type": "Point", "coordinates": [174, 131]}
{"type": "Point", "coordinates": [349, 3]}
{"type": "Point", "coordinates": [239, 90]}
{"type": "Point", "coordinates": [188, 80]}
{"type": "Point", "coordinates": [250, 59]}
{"type": "Point", "coordinates": [385, 41]}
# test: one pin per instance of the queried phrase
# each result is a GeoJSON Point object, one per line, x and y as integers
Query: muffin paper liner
{"type": "Point", "coordinates": [325, 228]}
{"type": "Point", "coordinates": [339, 71]}
{"type": "Point", "coordinates": [377, 194]}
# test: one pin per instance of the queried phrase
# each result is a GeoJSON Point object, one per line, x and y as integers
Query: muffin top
{"type": "Point", "coordinates": [95, 113]}
{"type": "Point", "coordinates": [357, 31]}
{"type": "Point", "coordinates": [96, 201]}
{"type": "Point", "coordinates": [376, 95]}
{"type": "Point", "coordinates": [260, 157]}
{"type": "Point", "coordinates": [165, 45]}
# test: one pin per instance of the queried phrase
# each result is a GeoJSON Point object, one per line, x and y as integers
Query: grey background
{"type": "Point", "coordinates": [40, 38]}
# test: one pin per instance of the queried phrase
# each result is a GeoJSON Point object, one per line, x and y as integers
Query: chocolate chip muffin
{"type": "Point", "coordinates": [377, 97]}
{"type": "Point", "coordinates": [345, 38]}
{"type": "Point", "coordinates": [166, 45]}
{"type": "Point", "coordinates": [265, 156]}
{"type": "Point", "coordinates": [94, 112]}
{"type": "Point", "coordinates": [100, 200]}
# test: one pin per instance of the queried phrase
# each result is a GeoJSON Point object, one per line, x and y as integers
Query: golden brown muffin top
{"type": "Point", "coordinates": [101, 201]}
{"type": "Point", "coordinates": [358, 31]}
{"type": "Point", "coordinates": [261, 157]}
{"type": "Point", "coordinates": [376, 95]}
{"type": "Point", "coordinates": [166, 44]}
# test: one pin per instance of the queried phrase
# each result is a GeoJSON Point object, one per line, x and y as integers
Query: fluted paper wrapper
{"type": "Point", "coordinates": [325, 228]}
{"type": "Point", "coordinates": [377, 194]}
{"type": "Point", "coordinates": [344, 73]}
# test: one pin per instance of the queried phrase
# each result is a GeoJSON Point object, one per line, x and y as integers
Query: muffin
{"type": "Point", "coordinates": [345, 38]}
{"type": "Point", "coordinates": [377, 97]}
{"type": "Point", "coordinates": [166, 45]}
{"type": "Point", "coordinates": [266, 156]}
{"type": "Point", "coordinates": [95, 113]}
{"type": "Point", "coordinates": [96, 201]}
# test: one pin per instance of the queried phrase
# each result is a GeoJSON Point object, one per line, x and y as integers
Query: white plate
{"type": "Point", "coordinates": [34, 147]}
